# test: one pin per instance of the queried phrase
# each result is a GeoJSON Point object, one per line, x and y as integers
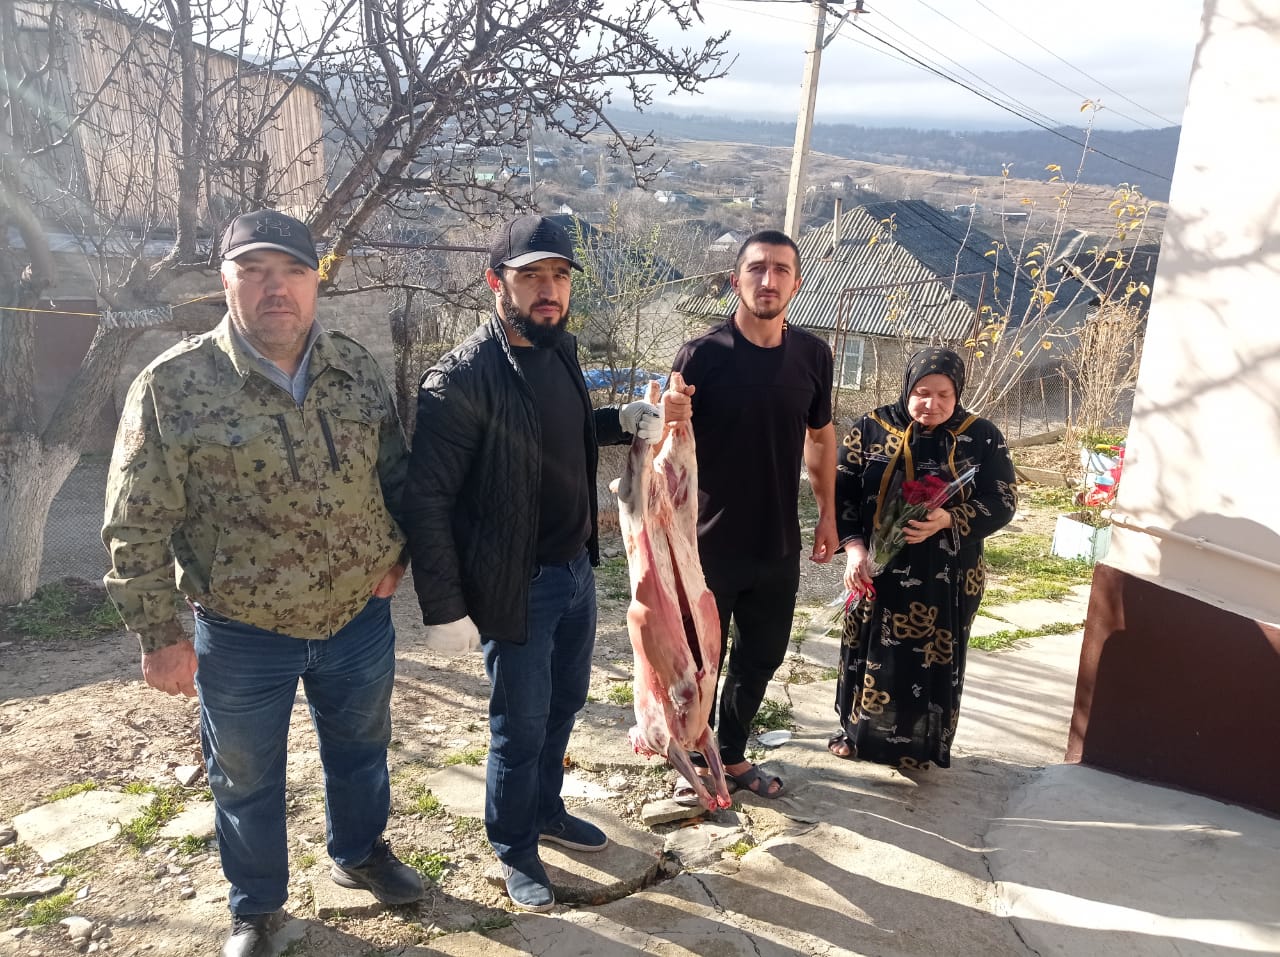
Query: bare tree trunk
{"type": "Point", "coordinates": [30, 476]}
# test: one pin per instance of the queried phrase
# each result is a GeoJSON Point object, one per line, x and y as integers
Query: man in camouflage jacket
{"type": "Point", "coordinates": [262, 461]}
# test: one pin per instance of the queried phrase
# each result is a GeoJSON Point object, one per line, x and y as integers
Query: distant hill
{"type": "Point", "coordinates": [950, 151]}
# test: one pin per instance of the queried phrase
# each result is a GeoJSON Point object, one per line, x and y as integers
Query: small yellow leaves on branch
{"type": "Point", "coordinates": [979, 354]}
{"type": "Point", "coordinates": [1045, 296]}
{"type": "Point", "coordinates": [1046, 345]}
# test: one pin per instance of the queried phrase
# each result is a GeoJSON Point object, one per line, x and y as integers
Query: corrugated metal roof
{"type": "Point", "coordinates": [925, 275]}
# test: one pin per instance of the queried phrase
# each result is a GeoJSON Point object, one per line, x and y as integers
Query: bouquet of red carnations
{"type": "Point", "coordinates": [907, 501]}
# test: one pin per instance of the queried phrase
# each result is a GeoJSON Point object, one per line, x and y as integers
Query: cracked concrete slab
{"type": "Point", "coordinates": [83, 820]}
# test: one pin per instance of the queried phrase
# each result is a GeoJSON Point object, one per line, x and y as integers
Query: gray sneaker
{"type": "Point", "coordinates": [528, 886]}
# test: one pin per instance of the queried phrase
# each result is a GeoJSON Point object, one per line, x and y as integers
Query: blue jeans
{"type": "Point", "coordinates": [247, 679]}
{"type": "Point", "coordinates": [536, 691]}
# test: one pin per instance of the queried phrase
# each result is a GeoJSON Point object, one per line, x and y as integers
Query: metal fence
{"type": "Point", "coordinates": [73, 534]}
{"type": "Point", "coordinates": [1032, 406]}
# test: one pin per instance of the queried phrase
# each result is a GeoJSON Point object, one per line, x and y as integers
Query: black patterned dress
{"type": "Point", "coordinates": [902, 653]}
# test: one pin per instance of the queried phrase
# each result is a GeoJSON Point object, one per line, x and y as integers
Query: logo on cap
{"type": "Point", "coordinates": [269, 229]}
{"type": "Point", "coordinates": [527, 239]}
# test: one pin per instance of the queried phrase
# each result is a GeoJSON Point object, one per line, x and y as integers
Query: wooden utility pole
{"type": "Point", "coordinates": [804, 125]}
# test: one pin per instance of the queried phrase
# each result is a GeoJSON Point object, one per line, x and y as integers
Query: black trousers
{"type": "Point", "coordinates": [760, 597]}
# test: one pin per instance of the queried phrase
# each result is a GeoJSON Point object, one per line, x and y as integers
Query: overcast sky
{"type": "Point", "coordinates": [1132, 55]}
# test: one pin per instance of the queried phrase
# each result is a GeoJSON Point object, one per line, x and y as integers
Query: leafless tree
{"type": "Point", "coordinates": [635, 267]}
{"type": "Point", "coordinates": [130, 135]}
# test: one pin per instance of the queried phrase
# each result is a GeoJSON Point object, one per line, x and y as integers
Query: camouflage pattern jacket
{"type": "Point", "coordinates": [275, 515]}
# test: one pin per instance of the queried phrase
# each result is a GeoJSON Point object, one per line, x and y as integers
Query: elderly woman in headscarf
{"type": "Point", "coordinates": [903, 647]}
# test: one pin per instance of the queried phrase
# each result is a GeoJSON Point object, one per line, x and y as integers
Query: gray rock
{"type": "Point", "coordinates": [38, 888]}
{"type": "Point", "coordinates": [7, 836]}
{"type": "Point", "coordinates": [187, 774]}
{"type": "Point", "coordinates": [666, 811]}
{"type": "Point", "coordinates": [78, 928]}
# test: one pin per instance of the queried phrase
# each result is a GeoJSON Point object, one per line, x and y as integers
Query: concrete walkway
{"type": "Point", "coordinates": [1007, 852]}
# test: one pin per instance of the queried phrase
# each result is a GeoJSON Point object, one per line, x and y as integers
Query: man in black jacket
{"type": "Point", "coordinates": [500, 509]}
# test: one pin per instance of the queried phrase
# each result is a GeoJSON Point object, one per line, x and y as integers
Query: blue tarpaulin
{"type": "Point", "coordinates": [618, 381]}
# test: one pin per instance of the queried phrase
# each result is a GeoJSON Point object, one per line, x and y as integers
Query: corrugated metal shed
{"type": "Point", "coordinates": [900, 269]}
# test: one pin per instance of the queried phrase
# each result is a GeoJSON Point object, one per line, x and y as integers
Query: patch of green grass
{"type": "Point", "coordinates": [431, 864]}
{"type": "Point", "coordinates": [50, 910]}
{"type": "Point", "coordinates": [740, 848]}
{"type": "Point", "coordinates": [73, 865]}
{"type": "Point", "coordinates": [621, 693]}
{"type": "Point", "coordinates": [492, 922]}
{"type": "Point", "coordinates": [307, 860]}
{"type": "Point", "coordinates": [1019, 568]}
{"type": "Point", "coordinates": [471, 756]}
{"type": "Point", "coordinates": [423, 803]}
{"type": "Point", "coordinates": [1055, 497]}
{"type": "Point", "coordinates": [143, 830]}
{"type": "Point", "coordinates": [829, 674]}
{"type": "Point", "coordinates": [69, 790]}
{"type": "Point", "coordinates": [191, 845]}
{"type": "Point", "coordinates": [139, 787]}
{"type": "Point", "coordinates": [1003, 639]}
{"type": "Point", "coordinates": [468, 827]}
{"type": "Point", "coordinates": [773, 716]}
{"type": "Point", "coordinates": [55, 611]}
{"type": "Point", "coordinates": [613, 581]}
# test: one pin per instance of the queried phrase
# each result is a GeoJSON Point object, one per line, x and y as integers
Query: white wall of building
{"type": "Point", "coordinates": [1203, 458]}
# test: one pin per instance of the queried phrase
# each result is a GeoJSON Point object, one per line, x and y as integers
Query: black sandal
{"type": "Point", "coordinates": [842, 741]}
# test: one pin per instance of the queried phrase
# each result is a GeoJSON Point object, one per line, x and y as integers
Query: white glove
{"type": "Point", "coordinates": [455, 638]}
{"type": "Point", "coordinates": [642, 420]}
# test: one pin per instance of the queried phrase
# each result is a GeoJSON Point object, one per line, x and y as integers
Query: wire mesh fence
{"type": "Point", "coordinates": [1032, 406]}
{"type": "Point", "coordinates": [73, 534]}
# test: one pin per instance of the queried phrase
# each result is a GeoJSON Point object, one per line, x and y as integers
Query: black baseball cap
{"type": "Point", "coordinates": [268, 229]}
{"type": "Point", "coordinates": [526, 239]}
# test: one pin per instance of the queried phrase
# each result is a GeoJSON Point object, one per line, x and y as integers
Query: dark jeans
{"type": "Point", "coordinates": [248, 679]}
{"type": "Point", "coordinates": [537, 689]}
{"type": "Point", "coordinates": [760, 596]}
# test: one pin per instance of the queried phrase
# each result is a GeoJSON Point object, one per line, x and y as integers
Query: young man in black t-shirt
{"type": "Point", "coordinates": [761, 405]}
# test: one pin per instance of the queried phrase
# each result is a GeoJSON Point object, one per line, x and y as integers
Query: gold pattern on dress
{"type": "Point", "coordinates": [1008, 495]}
{"type": "Point", "coordinates": [975, 580]}
{"type": "Point", "coordinates": [849, 635]}
{"type": "Point", "coordinates": [917, 622]}
{"type": "Point", "coordinates": [873, 701]}
{"type": "Point", "coordinates": [892, 443]}
{"type": "Point", "coordinates": [911, 764]}
{"type": "Point", "coordinates": [960, 516]}
{"type": "Point", "coordinates": [939, 651]}
{"type": "Point", "coordinates": [853, 443]}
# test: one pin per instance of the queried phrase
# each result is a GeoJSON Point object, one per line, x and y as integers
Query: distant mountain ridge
{"type": "Point", "coordinates": [1149, 154]}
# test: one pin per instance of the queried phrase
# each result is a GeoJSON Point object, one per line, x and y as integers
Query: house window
{"type": "Point", "coordinates": [849, 363]}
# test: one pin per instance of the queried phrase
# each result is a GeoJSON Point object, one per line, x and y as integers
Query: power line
{"type": "Point", "coordinates": [995, 90]}
{"type": "Point", "coordinates": [961, 27]}
{"type": "Point", "coordinates": [1088, 76]}
{"type": "Point", "coordinates": [1004, 106]}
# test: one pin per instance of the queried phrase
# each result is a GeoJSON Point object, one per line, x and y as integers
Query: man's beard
{"type": "Point", "coordinates": [540, 335]}
{"type": "Point", "coordinates": [766, 313]}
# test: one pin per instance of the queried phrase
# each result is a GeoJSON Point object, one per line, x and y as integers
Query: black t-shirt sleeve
{"type": "Point", "coordinates": [824, 370]}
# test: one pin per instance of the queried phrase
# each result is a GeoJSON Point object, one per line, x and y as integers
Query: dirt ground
{"type": "Point", "coordinates": [75, 710]}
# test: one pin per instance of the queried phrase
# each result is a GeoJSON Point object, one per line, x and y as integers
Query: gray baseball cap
{"type": "Point", "coordinates": [268, 229]}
